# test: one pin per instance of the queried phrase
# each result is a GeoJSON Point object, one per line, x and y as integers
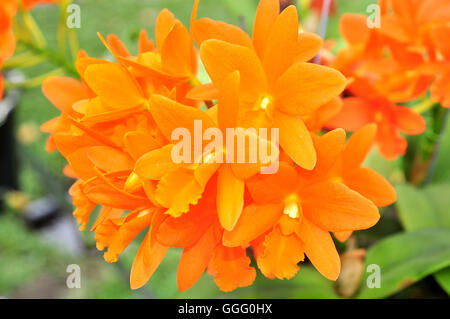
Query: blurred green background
{"type": "Point", "coordinates": [33, 261]}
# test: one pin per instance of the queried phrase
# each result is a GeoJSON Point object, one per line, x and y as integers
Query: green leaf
{"type": "Point", "coordinates": [307, 284]}
{"type": "Point", "coordinates": [407, 258]}
{"type": "Point", "coordinates": [443, 278]}
{"type": "Point", "coordinates": [442, 169]}
{"type": "Point", "coordinates": [426, 208]}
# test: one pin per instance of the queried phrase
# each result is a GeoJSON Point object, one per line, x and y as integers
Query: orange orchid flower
{"type": "Point", "coordinates": [297, 209]}
{"type": "Point", "coordinates": [391, 119]}
{"type": "Point", "coordinates": [278, 86]}
{"type": "Point", "coordinates": [379, 82]}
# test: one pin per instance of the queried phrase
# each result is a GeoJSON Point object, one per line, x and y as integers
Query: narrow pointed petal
{"type": "Point", "coordinates": [266, 14]}
{"type": "Point", "coordinates": [230, 197]}
{"type": "Point", "coordinates": [142, 269]}
{"type": "Point", "coordinates": [195, 259]}
{"type": "Point", "coordinates": [358, 147]}
{"type": "Point", "coordinates": [228, 105]}
{"type": "Point", "coordinates": [308, 46]}
{"type": "Point", "coordinates": [176, 51]}
{"type": "Point", "coordinates": [320, 249]}
{"type": "Point", "coordinates": [295, 140]}
{"type": "Point", "coordinates": [371, 185]}
{"type": "Point", "coordinates": [280, 49]}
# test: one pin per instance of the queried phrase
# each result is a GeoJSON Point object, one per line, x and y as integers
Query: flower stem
{"type": "Point", "coordinates": [33, 82]}
{"type": "Point", "coordinates": [52, 56]}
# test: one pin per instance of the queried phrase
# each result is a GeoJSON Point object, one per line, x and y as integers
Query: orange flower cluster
{"type": "Point", "coordinates": [8, 9]}
{"type": "Point", "coordinates": [116, 132]}
{"type": "Point", "coordinates": [394, 62]}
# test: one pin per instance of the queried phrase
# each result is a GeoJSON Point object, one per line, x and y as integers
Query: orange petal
{"type": "Point", "coordinates": [254, 222]}
{"type": "Point", "coordinates": [145, 45]}
{"type": "Point", "coordinates": [102, 191]}
{"type": "Point", "coordinates": [231, 268]}
{"type": "Point", "coordinates": [267, 13]}
{"type": "Point", "coordinates": [408, 121]}
{"type": "Point", "coordinates": [354, 28]}
{"type": "Point", "coordinates": [176, 51]}
{"type": "Point", "coordinates": [280, 49]}
{"type": "Point", "coordinates": [143, 269]}
{"type": "Point", "coordinates": [304, 87]}
{"type": "Point", "coordinates": [295, 140]}
{"type": "Point", "coordinates": [343, 235]}
{"type": "Point", "coordinates": [170, 115]}
{"type": "Point", "coordinates": [320, 249]}
{"type": "Point", "coordinates": [195, 260]}
{"type": "Point", "coordinates": [8, 44]}
{"type": "Point", "coordinates": [81, 164]}
{"type": "Point", "coordinates": [156, 163]}
{"type": "Point", "coordinates": [133, 224]}
{"type": "Point", "coordinates": [109, 159]}
{"type": "Point", "coordinates": [205, 29]}
{"type": "Point", "coordinates": [228, 105]}
{"type": "Point", "coordinates": [164, 24]}
{"type": "Point", "coordinates": [230, 197]}
{"type": "Point", "coordinates": [221, 58]}
{"type": "Point", "coordinates": [273, 188]}
{"type": "Point", "coordinates": [440, 90]}
{"type": "Point", "coordinates": [389, 141]}
{"type": "Point", "coordinates": [139, 143]}
{"type": "Point", "coordinates": [308, 46]}
{"type": "Point", "coordinates": [281, 255]}
{"type": "Point", "coordinates": [186, 230]}
{"type": "Point", "coordinates": [329, 147]}
{"type": "Point", "coordinates": [371, 185]}
{"type": "Point", "coordinates": [177, 190]}
{"type": "Point", "coordinates": [355, 113]}
{"type": "Point", "coordinates": [113, 85]}
{"type": "Point", "coordinates": [205, 92]}
{"type": "Point", "coordinates": [63, 92]}
{"type": "Point", "coordinates": [117, 45]}
{"type": "Point", "coordinates": [358, 147]}
{"type": "Point", "coordinates": [335, 207]}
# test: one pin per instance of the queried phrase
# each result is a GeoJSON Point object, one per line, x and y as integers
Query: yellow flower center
{"type": "Point", "coordinates": [292, 207]}
{"type": "Point", "coordinates": [265, 103]}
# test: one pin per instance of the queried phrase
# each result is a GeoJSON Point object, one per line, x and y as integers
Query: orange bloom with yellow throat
{"type": "Point", "coordinates": [116, 132]}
